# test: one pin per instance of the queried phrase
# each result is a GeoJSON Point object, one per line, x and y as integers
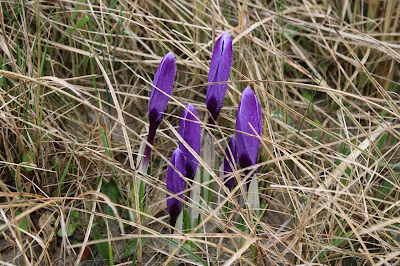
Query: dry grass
{"type": "Point", "coordinates": [75, 78]}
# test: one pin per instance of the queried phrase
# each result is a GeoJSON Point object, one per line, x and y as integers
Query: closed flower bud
{"type": "Point", "coordinates": [175, 184]}
{"type": "Point", "coordinates": [190, 131]}
{"type": "Point", "coordinates": [162, 88]}
{"type": "Point", "coordinates": [248, 126]}
{"type": "Point", "coordinates": [160, 92]}
{"type": "Point", "coordinates": [220, 68]}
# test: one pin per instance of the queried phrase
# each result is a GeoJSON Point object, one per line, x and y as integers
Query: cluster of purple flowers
{"type": "Point", "coordinates": [248, 123]}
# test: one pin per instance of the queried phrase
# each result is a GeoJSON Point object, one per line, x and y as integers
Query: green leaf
{"type": "Point", "coordinates": [29, 157]}
{"type": "Point", "coordinates": [74, 214]}
{"type": "Point", "coordinates": [70, 230]}
{"type": "Point", "coordinates": [101, 247]}
{"type": "Point", "coordinates": [65, 172]}
{"type": "Point", "coordinates": [23, 223]}
{"type": "Point", "coordinates": [190, 253]}
{"type": "Point", "coordinates": [129, 249]}
{"type": "Point", "coordinates": [337, 242]}
{"type": "Point", "coordinates": [70, 30]}
{"type": "Point", "coordinates": [385, 188]}
{"type": "Point", "coordinates": [308, 96]}
{"type": "Point", "coordinates": [186, 219]}
{"type": "Point", "coordinates": [293, 28]}
{"type": "Point", "coordinates": [382, 141]}
{"type": "Point", "coordinates": [319, 132]}
{"type": "Point", "coordinates": [110, 190]}
{"type": "Point", "coordinates": [104, 141]}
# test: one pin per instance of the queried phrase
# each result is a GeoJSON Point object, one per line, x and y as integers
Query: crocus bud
{"type": "Point", "coordinates": [248, 120]}
{"type": "Point", "coordinates": [231, 153]}
{"type": "Point", "coordinates": [175, 184]}
{"type": "Point", "coordinates": [189, 129]}
{"type": "Point", "coordinates": [220, 69]}
{"type": "Point", "coordinates": [160, 92]}
{"type": "Point", "coordinates": [162, 87]}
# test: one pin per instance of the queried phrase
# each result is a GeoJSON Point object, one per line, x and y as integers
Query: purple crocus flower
{"type": "Point", "coordinates": [175, 184]}
{"type": "Point", "coordinates": [163, 80]}
{"type": "Point", "coordinates": [220, 69]}
{"type": "Point", "coordinates": [160, 92]}
{"type": "Point", "coordinates": [248, 120]}
{"type": "Point", "coordinates": [231, 153]}
{"type": "Point", "coordinates": [190, 131]}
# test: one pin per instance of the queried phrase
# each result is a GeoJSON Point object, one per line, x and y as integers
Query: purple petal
{"type": "Point", "coordinates": [163, 80]}
{"type": "Point", "coordinates": [220, 68]}
{"type": "Point", "coordinates": [190, 131]}
{"type": "Point", "coordinates": [249, 113]}
{"type": "Point", "coordinates": [231, 152]}
{"type": "Point", "coordinates": [175, 184]}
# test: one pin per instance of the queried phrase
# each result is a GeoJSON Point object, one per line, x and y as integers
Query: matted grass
{"type": "Point", "coordinates": [75, 80]}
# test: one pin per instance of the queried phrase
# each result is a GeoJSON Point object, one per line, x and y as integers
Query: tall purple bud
{"type": "Point", "coordinates": [220, 69]}
{"type": "Point", "coordinates": [175, 184]}
{"type": "Point", "coordinates": [190, 131]}
{"type": "Point", "coordinates": [248, 120]}
{"type": "Point", "coordinates": [231, 152]}
{"type": "Point", "coordinates": [160, 92]}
